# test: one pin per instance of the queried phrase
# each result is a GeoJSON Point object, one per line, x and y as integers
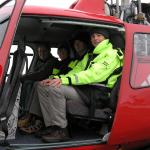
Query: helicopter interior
{"type": "Point", "coordinates": [55, 30]}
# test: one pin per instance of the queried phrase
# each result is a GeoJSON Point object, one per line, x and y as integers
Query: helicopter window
{"type": "Point", "coordinates": [6, 9]}
{"type": "Point", "coordinates": [29, 53]}
{"type": "Point", "coordinates": [140, 76]}
{"type": "Point", "coordinates": [142, 44]}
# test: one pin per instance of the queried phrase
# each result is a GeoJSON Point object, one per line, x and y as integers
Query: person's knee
{"type": "Point", "coordinates": [38, 87]}
{"type": "Point", "coordinates": [55, 89]}
{"type": "Point", "coordinates": [51, 89]}
{"type": "Point", "coordinates": [35, 84]}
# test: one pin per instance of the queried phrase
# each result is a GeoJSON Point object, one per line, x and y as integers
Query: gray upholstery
{"type": "Point", "coordinates": [75, 108]}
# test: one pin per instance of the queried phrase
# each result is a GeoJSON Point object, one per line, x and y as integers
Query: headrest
{"type": "Point", "coordinates": [117, 41]}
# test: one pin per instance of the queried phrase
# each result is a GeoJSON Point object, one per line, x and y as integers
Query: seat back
{"type": "Point", "coordinates": [118, 41]}
{"type": "Point", "coordinates": [114, 95]}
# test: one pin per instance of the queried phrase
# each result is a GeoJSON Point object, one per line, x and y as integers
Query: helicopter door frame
{"type": "Point", "coordinates": [9, 34]}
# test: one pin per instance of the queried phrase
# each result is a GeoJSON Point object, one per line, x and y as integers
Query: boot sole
{"type": "Point", "coordinates": [55, 141]}
{"type": "Point", "coordinates": [40, 136]}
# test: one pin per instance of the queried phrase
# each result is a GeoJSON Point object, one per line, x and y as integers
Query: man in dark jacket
{"type": "Point", "coordinates": [63, 67]}
{"type": "Point", "coordinates": [81, 47]}
{"type": "Point", "coordinates": [42, 70]}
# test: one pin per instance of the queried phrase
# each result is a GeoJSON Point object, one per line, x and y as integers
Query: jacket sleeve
{"type": "Point", "coordinates": [43, 72]}
{"type": "Point", "coordinates": [98, 72]}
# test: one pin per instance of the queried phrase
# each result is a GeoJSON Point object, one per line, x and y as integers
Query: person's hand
{"type": "Point", "coordinates": [55, 82]}
{"type": "Point", "coordinates": [45, 82]}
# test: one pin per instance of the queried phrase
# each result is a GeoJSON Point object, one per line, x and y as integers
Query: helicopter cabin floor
{"type": "Point", "coordinates": [79, 134]}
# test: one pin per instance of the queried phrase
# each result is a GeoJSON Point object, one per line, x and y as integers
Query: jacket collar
{"type": "Point", "coordinates": [65, 60]}
{"type": "Point", "coordinates": [102, 47]}
{"type": "Point", "coordinates": [82, 56]}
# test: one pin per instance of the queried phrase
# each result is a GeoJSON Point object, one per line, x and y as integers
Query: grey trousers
{"type": "Point", "coordinates": [50, 103]}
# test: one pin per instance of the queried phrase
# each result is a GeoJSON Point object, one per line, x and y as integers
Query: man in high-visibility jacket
{"type": "Point", "coordinates": [95, 73]}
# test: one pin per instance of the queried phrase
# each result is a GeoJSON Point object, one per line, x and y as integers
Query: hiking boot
{"type": "Point", "coordinates": [25, 120]}
{"type": "Point", "coordinates": [32, 127]}
{"type": "Point", "coordinates": [44, 131]}
{"type": "Point", "coordinates": [31, 121]}
{"type": "Point", "coordinates": [58, 135]}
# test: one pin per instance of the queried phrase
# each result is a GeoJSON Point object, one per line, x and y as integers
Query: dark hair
{"type": "Point", "coordinates": [82, 36]}
{"type": "Point", "coordinates": [102, 31]}
{"type": "Point", "coordinates": [64, 45]}
{"type": "Point", "coordinates": [46, 45]}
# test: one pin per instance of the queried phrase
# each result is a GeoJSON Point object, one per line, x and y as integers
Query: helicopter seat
{"type": "Point", "coordinates": [106, 115]}
{"type": "Point", "coordinates": [76, 108]}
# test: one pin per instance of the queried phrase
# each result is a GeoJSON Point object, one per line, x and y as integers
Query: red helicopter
{"type": "Point", "coordinates": [127, 125]}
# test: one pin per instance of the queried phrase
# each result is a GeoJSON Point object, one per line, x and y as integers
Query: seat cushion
{"type": "Point", "coordinates": [78, 109]}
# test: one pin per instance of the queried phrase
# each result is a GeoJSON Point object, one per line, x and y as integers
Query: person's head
{"type": "Point", "coordinates": [81, 42]}
{"type": "Point", "coordinates": [98, 35]}
{"type": "Point", "coordinates": [63, 50]}
{"type": "Point", "coordinates": [43, 50]}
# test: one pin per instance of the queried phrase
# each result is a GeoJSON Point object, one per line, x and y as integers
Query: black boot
{"type": "Point", "coordinates": [58, 135]}
{"type": "Point", "coordinates": [22, 114]}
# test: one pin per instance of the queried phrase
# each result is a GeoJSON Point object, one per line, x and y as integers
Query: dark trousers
{"type": "Point", "coordinates": [24, 93]}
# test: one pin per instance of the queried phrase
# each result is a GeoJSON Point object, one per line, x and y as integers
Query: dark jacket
{"type": "Point", "coordinates": [42, 70]}
{"type": "Point", "coordinates": [64, 67]}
